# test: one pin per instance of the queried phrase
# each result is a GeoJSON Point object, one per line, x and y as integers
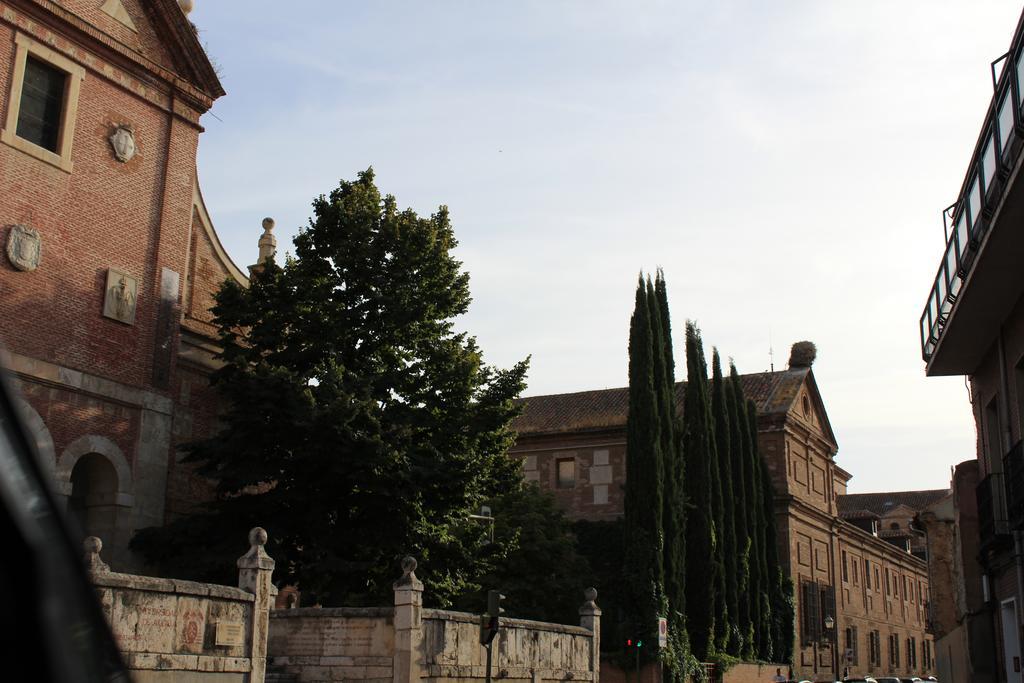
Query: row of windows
{"type": "Point", "coordinates": [43, 103]}
{"type": "Point", "coordinates": [893, 642]}
{"type": "Point", "coordinates": [912, 592]}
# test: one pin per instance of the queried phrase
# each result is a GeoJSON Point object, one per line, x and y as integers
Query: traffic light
{"type": "Point", "coordinates": [490, 622]}
{"type": "Point", "coordinates": [494, 599]}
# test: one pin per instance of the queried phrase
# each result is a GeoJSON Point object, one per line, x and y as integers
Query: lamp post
{"type": "Point", "coordinates": [830, 627]}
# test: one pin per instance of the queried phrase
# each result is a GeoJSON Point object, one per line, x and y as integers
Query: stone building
{"type": "Point", "coordinates": [973, 325]}
{"type": "Point", "coordinates": [574, 445]}
{"type": "Point", "coordinates": [110, 257]}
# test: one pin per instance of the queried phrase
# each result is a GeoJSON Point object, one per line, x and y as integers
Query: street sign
{"type": "Point", "coordinates": [662, 631]}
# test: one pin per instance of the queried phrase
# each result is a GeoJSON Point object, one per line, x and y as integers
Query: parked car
{"type": "Point", "coordinates": [51, 616]}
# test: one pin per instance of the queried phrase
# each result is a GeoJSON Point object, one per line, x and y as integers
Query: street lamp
{"type": "Point", "coordinates": [833, 640]}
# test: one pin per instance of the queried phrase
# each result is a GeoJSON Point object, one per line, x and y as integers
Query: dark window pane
{"type": "Point", "coordinates": [42, 97]}
{"type": "Point", "coordinates": [566, 474]}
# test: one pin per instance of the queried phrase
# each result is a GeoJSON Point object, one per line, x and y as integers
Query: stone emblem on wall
{"type": "Point", "coordinates": [24, 247]}
{"type": "Point", "coordinates": [122, 140]}
{"type": "Point", "coordinates": [121, 296]}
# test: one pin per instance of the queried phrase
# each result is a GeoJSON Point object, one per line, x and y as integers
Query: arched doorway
{"type": "Point", "coordinates": [92, 503]}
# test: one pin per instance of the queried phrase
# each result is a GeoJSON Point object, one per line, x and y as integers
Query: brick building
{"type": "Point", "coordinates": [574, 445]}
{"type": "Point", "coordinates": [110, 257]}
{"type": "Point", "coordinates": [973, 325]}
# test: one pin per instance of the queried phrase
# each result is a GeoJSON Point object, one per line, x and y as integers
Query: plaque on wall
{"type": "Point", "coordinates": [121, 296]}
{"type": "Point", "coordinates": [230, 633]}
{"type": "Point", "coordinates": [122, 140]}
{"type": "Point", "coordinates": [24, 247]}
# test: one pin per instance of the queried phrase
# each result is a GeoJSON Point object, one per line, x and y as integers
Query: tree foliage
{"type": "Point", "coordinates": [729, 555]}
{"type": "Point", "coordinates": [542, 574]}
{"type": "Point", "coordinates": [699, 445]}
{"type": "Point", "coordinates": [643, 569]}
{"type": "Point", "coordinates": [360, 426]}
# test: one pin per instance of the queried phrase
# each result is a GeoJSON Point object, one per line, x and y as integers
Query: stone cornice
{"type": "Point", "coordinates": [120, 64]}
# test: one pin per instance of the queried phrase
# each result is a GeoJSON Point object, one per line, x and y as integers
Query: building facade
{"type": "Point", "coordinates": [973, 325]}
{"type": "Point", "coordinates": [875, 591]}
{"type": "Point", "coordinates": [110, 258]}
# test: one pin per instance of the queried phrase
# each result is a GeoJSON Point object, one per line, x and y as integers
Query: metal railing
{"type": "Point", "coordinates": [967, 219]}
{"type": "Point", "coordinates": [992, 521]}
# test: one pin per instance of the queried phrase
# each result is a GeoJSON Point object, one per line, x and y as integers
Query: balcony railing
{"type": "Point", "coordinates": [967, 219]}
{"type": "Point", "coordinates": [992, 521]}
{"type": "Point", "coordinates": [1013, 466]}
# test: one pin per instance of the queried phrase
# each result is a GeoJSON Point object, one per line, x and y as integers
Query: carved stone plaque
{"type": "Point", "coordinates": [24, 247]}
{"type": "Point", "coordinates": [230, 633]}
{"type": "Point", "coordinates": [121, 296]}
{"type": "Point", "coordinates": [123, 142]}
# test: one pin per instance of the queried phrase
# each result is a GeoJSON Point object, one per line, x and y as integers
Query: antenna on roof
{"type": "Point", "coordinates": [771, 352]}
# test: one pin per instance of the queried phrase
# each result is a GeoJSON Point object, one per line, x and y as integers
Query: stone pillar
{"type": "Point", "coordinates": [255, 570]}
{"type": "Point", "coordinates": [408, 660]}
{"type": "Point", "coordinates": [590, 619]}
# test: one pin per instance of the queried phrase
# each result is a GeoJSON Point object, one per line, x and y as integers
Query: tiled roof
{"type": "Point", "coordinates": [773, 392]}
{"type": "Point", "coordinates": [858, 514]}
{"type": "Point", "coordinates": [882, 503]}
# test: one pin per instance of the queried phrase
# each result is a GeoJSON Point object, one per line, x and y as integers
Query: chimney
{"type": "Point", "coordinates": [802, 355]}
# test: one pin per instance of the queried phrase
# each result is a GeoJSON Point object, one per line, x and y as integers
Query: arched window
{"type": "Point", "coordinates": [93, 496]}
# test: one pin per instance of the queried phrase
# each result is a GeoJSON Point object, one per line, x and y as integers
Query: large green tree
{"type": "Point", "coordinates": [739, 446]}
{"type": "Point", "coordinates": [359, 425]}
{"type": "Point", "coordinates": [728, 633]}
{"type": "Point", "coordinates": [542, 551]}
{"type": "Point", "coordinates": [673, 504]}
{"type": "Point", "coordinates": [644, 579]}
{"type": "Point", "coordinates": [699, 447]}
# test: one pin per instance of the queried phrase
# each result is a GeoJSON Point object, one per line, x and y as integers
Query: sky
{"type": "Point", "coordinates": [785, 163]}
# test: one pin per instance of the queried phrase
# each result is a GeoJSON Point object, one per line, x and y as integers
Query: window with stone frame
{"type": "Point", "coordinates": [851, 644]}
{"type": "Point", "coordinates": [566, 473]}
{"type": "Point", "coordinates": [810, 612]}
{"type": "Point", "coordinates": [875, 648]}
{"type": "Point", "coordinates": [43, 102]}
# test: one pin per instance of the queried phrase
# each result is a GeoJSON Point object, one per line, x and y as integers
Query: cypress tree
{"type": "Point", "coordinates": [698, 445]}
{"type": "Point", "coordinates": [642, 555]}
{"type": "Point", "coordinates": [751, 470]}
{"type": "Point", "coordinates": [739, 435]}
{"type": "Point", "coordinates": [727, 631]}
{"type": "Point", "coordinates": [779, 591]}
{"type": "Point", "coordinates": [765, 520]}
{"type": "Point", "coordinates": [673, 510]}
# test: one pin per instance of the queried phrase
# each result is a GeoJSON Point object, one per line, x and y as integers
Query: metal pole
{"type": "Point", "coordinates": [638, 662]}
{"type": "Point", "coordinates": [488, 662]}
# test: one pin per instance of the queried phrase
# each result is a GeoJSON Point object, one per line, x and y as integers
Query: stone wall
{"type": "Point", "coordinates": [341, 643]}
{"type": "Point", "coordinates": [523, 651]}
{"type": "Point", "coordinates": [188, 632]}
{"type": "Point", "coordinates": [408, 644]}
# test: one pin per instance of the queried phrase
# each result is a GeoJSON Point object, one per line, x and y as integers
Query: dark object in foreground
{"type": "Point", "coordinates": [51, 616]}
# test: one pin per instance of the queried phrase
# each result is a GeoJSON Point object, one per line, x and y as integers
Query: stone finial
{"type": "Point", "coordinates": [186, 6]}
{"type": "Point", "coordinates": [408, 580]}
{"type": "Point", "coordinates": [590, 606]}
{"type": "Point", "coordinates": [257, 557]}
{"type": "Point", "coordinates": [268, 243]}
{"type": "Point", "coordinates": [93, 563]}
{"type": "Point", "coordinates": [802, 354]}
